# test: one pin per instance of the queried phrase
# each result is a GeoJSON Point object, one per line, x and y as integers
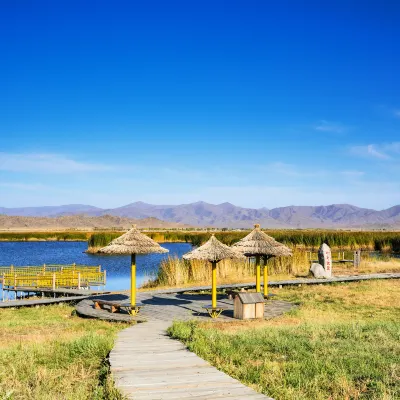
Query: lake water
{"type": "Point", "coordinates": [117, 267]}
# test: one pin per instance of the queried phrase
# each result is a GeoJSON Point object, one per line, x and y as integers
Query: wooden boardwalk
{"type": "Point", "coordinates": [147, 365]}
{"type": "Point", "coordinates": [287, 282]}
{"type": "Point", "coordinates": [40, 302]}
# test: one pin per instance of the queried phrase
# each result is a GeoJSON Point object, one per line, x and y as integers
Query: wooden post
{"type": "Point", "coordinates": [357, 258]}
{"type": "Point", "coordinates": [99, 268]}
{"type": "Point", "coordinates": [79, 280]}
{"type": "Point", "coordinates": [54, 281]}
{"type": "Point", "coordinates": [105, 277]}
{"type": "Point", "coordinates": [258, 275]}
{"type": "Point", "coordinates": [133, 280]}
{"type": "Point", "coordinates": [214, 286]}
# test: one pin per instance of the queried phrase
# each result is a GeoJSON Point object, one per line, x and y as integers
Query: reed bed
{"type": "Point", "coordinates": [176, 272]}
{"type": "Point", "coordinates": [43, 236]}
{"type": "Point", "coordinates": [306, 239]}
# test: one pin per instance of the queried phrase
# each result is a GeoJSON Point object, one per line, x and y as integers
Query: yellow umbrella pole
{"type": "Point", "coordinates": [214, 286]}
{"type": "Point", "coordinates": [265, 277]}
{"type": "Point", "coordinates": [133, 281]}
{"type": "Point", "coordinates": [258, 275]}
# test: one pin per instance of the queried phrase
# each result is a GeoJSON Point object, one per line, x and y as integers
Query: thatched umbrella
{"type": "Point", "coordinates": [133, 242]}
{"type": "Point", "coordinates": [259, 244]}
{"type": "Point", "coordinates": [213, 251]}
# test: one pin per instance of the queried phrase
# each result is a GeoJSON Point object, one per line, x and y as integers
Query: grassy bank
{"type": "Point", "coordinates": [45, 353]}
{"type": "Point", "coordinates": [306, 239]}
{"type": "Point", "coordinates": [343, 342]}
{"type": "Point", "coordinates": [44, 236]}
{"type": "Point", "coordinates": [175, 272]}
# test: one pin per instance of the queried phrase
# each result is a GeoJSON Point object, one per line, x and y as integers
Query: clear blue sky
{"type": "Point", "coordinates": [258, 103]}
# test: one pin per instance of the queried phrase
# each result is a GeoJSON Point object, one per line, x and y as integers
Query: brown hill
{"type": "Point", "coordinates": [80, 222]}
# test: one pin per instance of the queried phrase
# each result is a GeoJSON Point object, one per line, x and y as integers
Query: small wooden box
{"type": "Point", "coordinates": [248, 306]}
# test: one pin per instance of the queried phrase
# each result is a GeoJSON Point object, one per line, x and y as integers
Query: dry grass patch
{"type": "Point", "coordinates": [47, 353]}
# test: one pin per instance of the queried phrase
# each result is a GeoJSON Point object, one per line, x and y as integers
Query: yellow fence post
{"type": "Point", "coordinates": [54, 281]}
{"type": "Point", "coordinates": [258, 274]}
{"type": "Point", "coordinates": [214, 286]}
{"type": "Point", "coordinates": [79, 280]}
{"type": "Point", "coordinates": [265, 277]}
{"type": "Point", "coordinates": [133, 281]}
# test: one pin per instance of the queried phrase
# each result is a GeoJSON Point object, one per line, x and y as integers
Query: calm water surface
{"type": "Point", "coordinates": [117, 267]}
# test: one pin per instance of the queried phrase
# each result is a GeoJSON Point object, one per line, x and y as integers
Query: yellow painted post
{"type": "Point", "coordinates": [133, 280]}
{"type": "Point", "coordinates": [265, 277]}
{"type": "Point", "coordinates": [258, 275]}
{"type": "Point", "coordinates": [214, 286]}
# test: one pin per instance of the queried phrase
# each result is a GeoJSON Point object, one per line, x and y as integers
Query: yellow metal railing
{"type": "Point", "coordinates": [47, 268]}
{"type": "Point", "coordinates": [52, 276]}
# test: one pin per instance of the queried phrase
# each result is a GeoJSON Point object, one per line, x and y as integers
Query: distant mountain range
{"type": "Point", "coordinates": [230, 216]}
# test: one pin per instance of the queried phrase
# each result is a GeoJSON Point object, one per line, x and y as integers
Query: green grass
{"type": "Point", "coordinates": [46, 353]}
{"type": "Point", "coordinates": [342, 343]}
{"type": "Point", "coordinates": [102, 239]}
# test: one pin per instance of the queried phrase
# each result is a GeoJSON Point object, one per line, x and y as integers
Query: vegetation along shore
{"type": "Point", "coordinates": [305, 239]}
{"type": "Point", "coordinates": [309, 239]}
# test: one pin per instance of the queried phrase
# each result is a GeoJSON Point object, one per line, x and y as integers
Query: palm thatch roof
{"type": "Point", "coordinates": [133, 242]}
{"type": "Point", "coordinates": [212, 251]}
{"type": "Point", "coordinates": [258, 243]}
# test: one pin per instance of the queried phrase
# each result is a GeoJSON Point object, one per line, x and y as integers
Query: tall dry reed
{"type": "Point", "coordinates": [175, 272]}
